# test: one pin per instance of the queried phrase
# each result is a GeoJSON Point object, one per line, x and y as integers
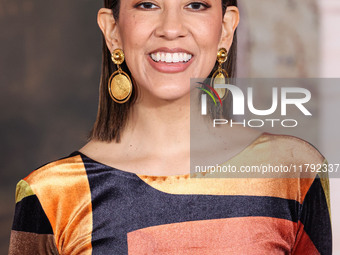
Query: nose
{"type": "Point", "coordinates": [171, 25]}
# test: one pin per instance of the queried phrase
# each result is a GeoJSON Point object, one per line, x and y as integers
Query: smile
{"type": "Point", "coordinates": [166, 60]}
{"type": "Point", "coordinates": [167, 57]}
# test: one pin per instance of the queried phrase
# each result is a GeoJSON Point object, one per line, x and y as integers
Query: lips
{"type": "Point", "coordinates": [170, 60]}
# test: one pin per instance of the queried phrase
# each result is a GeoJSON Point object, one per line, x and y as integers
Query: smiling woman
{"type": "Point", "coordinates": [148, 28]}
{"type": "Point", "coordinates": [129, 190]}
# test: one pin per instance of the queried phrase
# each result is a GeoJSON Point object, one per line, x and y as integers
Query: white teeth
{"type": "Point", "coordinates": [162, 57]}
{"type": "Point", "coordinates": [180, 56]}
{"type": "Point", "coordinates": [171, 57]}
{"type": "Point", "coordinates": [175, 58]}
{"type": "Point", "coordinates": [168, 58]}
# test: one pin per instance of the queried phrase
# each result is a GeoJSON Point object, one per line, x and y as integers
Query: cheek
{"type": "Point", "coordinates": [207, 32]}
{"type": "Point", "coordinates": [208, 36]}
{"type": "Point", "coordinates": [135, 31]}
{"type": "Point", "coordinates": [135, 34]}
{"type": "Point", "coordinates": [210, 32]}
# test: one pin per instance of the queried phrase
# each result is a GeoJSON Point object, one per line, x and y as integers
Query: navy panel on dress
{"type": "Point", "coordinates": [315, 218]}
{"type": "Point", "coordinates": [30, 217]}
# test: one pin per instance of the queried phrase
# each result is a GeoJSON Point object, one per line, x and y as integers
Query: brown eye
{"type": "Point", "coordinates": [146, 6]}
{"type": "Point", "coordinates": [197, 6]}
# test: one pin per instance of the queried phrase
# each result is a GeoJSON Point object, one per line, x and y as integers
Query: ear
{"type": "Point", "coordinates": [230, 22]}
{"type": "Point", "coordinates": [109, 28]}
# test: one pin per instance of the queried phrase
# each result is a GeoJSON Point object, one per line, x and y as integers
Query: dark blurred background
{"type": "Point", "coordinates": [50, 56]}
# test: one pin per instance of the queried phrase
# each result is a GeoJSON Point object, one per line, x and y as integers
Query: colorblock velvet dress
{"type": "Point", "coordinates": [77, 205]}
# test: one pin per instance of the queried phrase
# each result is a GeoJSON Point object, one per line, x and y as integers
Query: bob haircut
{"type": "Point", "coordinates": [111, 116]}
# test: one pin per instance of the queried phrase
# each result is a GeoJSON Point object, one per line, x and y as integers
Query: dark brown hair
{"type": "Point", "coordinates": [112, 117]}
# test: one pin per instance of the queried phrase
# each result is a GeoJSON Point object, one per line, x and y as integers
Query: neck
{"type": "Point", "coordinates": [158, 125]}
{"type": "Point", "coordinates": [158, 136]}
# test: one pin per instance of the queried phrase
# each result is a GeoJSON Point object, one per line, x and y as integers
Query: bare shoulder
{"type": "Point", "coordinates": [116, 155]}
{"type": "Point", "coordinates": [103, 151]}
{"type": "Point", "coordinates": [233, 138]}
{"type": "Point", "coordinates": [291, 148]}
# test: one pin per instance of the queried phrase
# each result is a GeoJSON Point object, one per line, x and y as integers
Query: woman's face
{"type": "Point", "coordinates": [167, 42]}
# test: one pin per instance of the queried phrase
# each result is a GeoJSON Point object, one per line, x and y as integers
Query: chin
{"type": "Point", "coordinates": [173, 93]}
{"type": "Point", "coordinates": [173, 97]}
{"type": "Point", "coordinates": [165, 89]}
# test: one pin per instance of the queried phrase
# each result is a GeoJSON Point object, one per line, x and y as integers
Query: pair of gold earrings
{"type": "Point", "coordinates": [120, 85]}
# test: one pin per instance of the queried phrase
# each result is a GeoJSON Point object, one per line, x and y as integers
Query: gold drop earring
{"type": "Point", "coordinates": [120, 85]}
{"type": "Point", "coordinates": [220, 76]}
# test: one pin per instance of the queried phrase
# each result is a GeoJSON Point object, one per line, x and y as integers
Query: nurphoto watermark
{"type": "Point", "coordinates": [287, 114]}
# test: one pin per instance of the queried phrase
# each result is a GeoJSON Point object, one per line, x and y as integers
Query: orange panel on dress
{"type": "Point", "coordinates": [64, 192]}
{"type": "Point", "coordinates": [247, 235]}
